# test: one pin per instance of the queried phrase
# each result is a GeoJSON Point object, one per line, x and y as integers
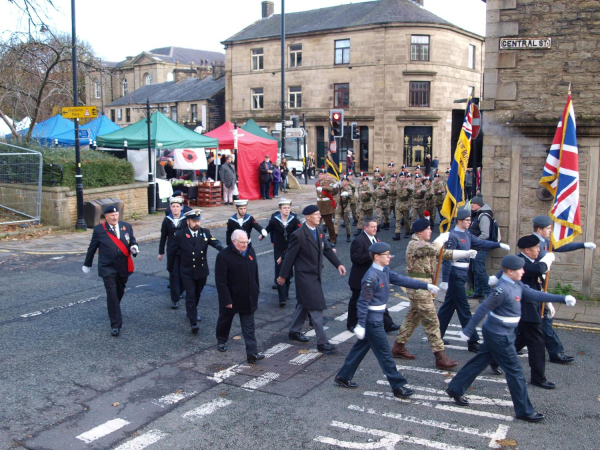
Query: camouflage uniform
{"type": "Point", "coordinates": [325, 205]}
{"type": "Point", "coordinates": [382, 205]}
{"type": "Point", "coordinates": [418, 200]}
{"type": "Point", "coordinates": [388, 176]}
{"type": "Point", "coordinates": [353, 201]}
{"type": "Point", "coordinates": [429, 206]}
{"type": "Point", "coordinates": [421, 262]}
{"type": "Point", "coordinates": [439, 193]}
{"type": "Point", "coordinates": [366, 205]}
{"type": "Point", "coordinates": [393, 196]}
{"type": "Point", "coordinates": [404, 193]}
{"type": "Point", "coordinates": [343, 209]}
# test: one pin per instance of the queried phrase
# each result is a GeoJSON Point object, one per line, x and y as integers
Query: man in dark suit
{"type": "Point", "coordinates": [236, 277]}
{"type": "Point", "coordinates": [266, 170]}
{"type": "Point", "coordinates": [116, 243]}
{"type": "Point", "coordinates": [361, 262]}
{"type": "Point", "coordinates": [191, 245]}
{"type": "Point", "coordinates": [305, 252]}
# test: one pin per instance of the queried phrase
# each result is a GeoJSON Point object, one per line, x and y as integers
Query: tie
{"type": "Point", "coordinates": [195, 234]}
{"type": "Point", "coordinates": [314, 232]}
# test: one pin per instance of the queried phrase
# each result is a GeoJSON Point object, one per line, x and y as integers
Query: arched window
{"type": "Point", "coordinates": [125, 90]}
{"type": "Point", "coordinates": [148, 78]}
{"type": "Point", "coordinates": [170, 76]}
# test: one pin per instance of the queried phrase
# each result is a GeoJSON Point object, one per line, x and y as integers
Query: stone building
{"type": "Point", "coordinates": [548, 44]}
{"type": "Point", "coordinates": [394, 67]}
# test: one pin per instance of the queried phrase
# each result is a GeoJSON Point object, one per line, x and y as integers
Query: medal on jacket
{"type": "Point", "coordinates": [127, 237]}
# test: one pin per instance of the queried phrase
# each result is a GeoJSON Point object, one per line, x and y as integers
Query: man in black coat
{"type": "Point", "coordinates": [191, 246]}
{"type": "Point", "coordinates": [361, 262]}
{"type": "Point", "coordinates": [236, 277]}
{"type": "Point", "coordinates": [266, 170]}
{"type": "Point", "coordinates": [305, 252]}
{"type": "Point", "coordinates": [116, 243]}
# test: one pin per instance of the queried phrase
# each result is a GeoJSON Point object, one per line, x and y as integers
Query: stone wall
{"type": "Point", "coordinates": [525, 94]}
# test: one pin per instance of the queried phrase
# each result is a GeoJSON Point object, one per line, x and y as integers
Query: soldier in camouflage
{"type": "Point", "coordinates": [390, 172]}
{"type": "Point", "coordinates": [421, 261]}
{"type": "Point", "coordinates": [392, 185]}
{"type": "Point", "coordinates": [429, 205]}
{"type": "Point", "coordinates": [382, 205]}
{"type": "Point", "coordinates": [418, 198]}
{"type": "Point", "coordinates": [366, 197]}
{"type": "Point", "coordinates": [353, 201]}
{"type": "Point", "coordinates": [439, 193]}
{"type": "Point", "coordinates": [402, 209]}
{"type": "Point", "coordinates": [343, 207]}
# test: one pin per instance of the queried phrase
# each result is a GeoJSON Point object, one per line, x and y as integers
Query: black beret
{"type": "Point", "coordinates": [463, 214]}
{"type": "Point", "coordinates": [512, 262]}
{"type": "Point", "coordinates": [379, 247]}
{"type": "Point", "coordinates": [528, 241]}
{"type": "Point", "coordinates": [542, 221]}
{"type": "Point", "coordinates": [420, 225]}
{"type": "Point", "coordinates": [393, 175]}
{"type": "Point", "coordinates": [177, 193]}
{"type": "Point", "coordinates": [310, 209]}
{"type": "Point", "coordinates": [477, 200]}
{"type": "Point", "coordinates": [110, 209]}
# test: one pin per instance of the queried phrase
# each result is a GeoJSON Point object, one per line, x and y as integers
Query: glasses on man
{"type": "Point", "coordinates": [241, 242]}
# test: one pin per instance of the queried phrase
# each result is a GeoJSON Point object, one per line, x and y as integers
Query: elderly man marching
{"type": "Point", "coordinates": [343, 207]}
{"type": "Point", "coordinates": [326, 191]}
{"type": "Point", "coordinates": [421, 260]}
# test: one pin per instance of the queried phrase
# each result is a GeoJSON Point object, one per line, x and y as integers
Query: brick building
{"type": "Point", "coordinates": [394, 67]}
{"type": "Point", "coordinates": [525, 92]}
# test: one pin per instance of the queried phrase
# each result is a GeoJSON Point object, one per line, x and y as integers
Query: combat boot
{"type": "Point", "coordinates": [443, 362]}
{"type": "Point", "coordinates": [396, 237]}
{"type": "Point", "coordinates": [400, 351]}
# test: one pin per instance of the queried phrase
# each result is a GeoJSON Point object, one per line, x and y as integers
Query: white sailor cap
{"type": "Point", "coordinates": [193, 214]}
{"type": "Point", "coordinates": [176, 200]}
{"type": "Point", "coordinates": [239, 203]}
{"type": "Point", "coordinates": [285, 201]}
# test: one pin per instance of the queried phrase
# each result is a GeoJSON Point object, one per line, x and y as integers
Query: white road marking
{"type": "Point", "coordinates": [500, 434]}
{"type": "Point", "coordinates": [304, 358]}
{"type": "Point", "coordinates": [342, 317]}
{"type": "Point", "coordinates": [207, 408]}
{"type": "Point", "coordinates": [460, 347]}
{"type": "Point", "coordinates": [261, 381]}
{"type": "Point", "coordinates": [142, 441]}
{"type": "Point", "coordinates": [312, 333]}
{"type": "Point", "coordinates": [445, 372]}
{"type": "Point", "coordinates": [264, 253]}
{"type": "Point", "coordinates": [342, 337]}
{"type": "Point", "coordinates": [475, 413]}
{"type": "Point", "coordinates": [141, 285]}
{"type": "Point", "coordinates": [460, 326]}
{"type": "Point", "coordinates": [59, 307]}
{"type": "Point", "coordinates": [58, 257]}
{"type": "Point", "coordinates": [388, 440]}
{"type": "Point", "coordinates": [102, 430]}
{"type": "Point", "coordinates": [473, 399]}
{"type": "Point", "coordinates": [276, 349]}
{"type": "Point", "coordinates": [396, 308]}
{"type": "Point", "coordinates": [173, 398]}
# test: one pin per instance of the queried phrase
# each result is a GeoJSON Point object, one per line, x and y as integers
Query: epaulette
{"type": "Point", "coordinates": [497, 291]}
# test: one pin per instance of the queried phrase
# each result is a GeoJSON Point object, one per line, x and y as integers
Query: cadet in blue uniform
{"type": "Point", "coordinates": [172, 222]}
{"type": "Point", "coordinates": [370, 331]}
{"type": "Point", "coordinates": [454, 275]}
{"type": "Point", "coordinates": [503, 307]}
{"type": "Point", "coordinates": [191, 246]}
{"type": "Point", "coordinates": [242, 221]}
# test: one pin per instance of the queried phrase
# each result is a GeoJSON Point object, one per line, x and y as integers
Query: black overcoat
{"type": "Point", "coordinates": [236, 278]}
{"type": "Point", "coordinates": [361, 262]}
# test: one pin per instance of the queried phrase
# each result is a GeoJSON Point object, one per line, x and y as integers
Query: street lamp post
{"type": "Point", "coordinates": [282, 79]}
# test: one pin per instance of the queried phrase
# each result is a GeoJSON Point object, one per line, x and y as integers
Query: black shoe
{"type": "Point", "coordinates": [522, 351]}
{"type": "Point", "coordinates": [387, 226]}
{"type": "Point", "coordinates": [474, 347]}
{"type": "Point", "coordinates": [535, 417]}
{"type": "Point", "coordinates": [297, 336]}
{"type": "Point", "coordinates": [348, 238]}
{"type": "Point", "coordinates": [496, 370]}
{"type": "Point", "coordinates": [460, 400]}
{"type": "Point", "coordinates": [168, 286]}
{"type": "Point", "coordinates": [174, 305]}
{"type": "Point", "coordinates": [393, 327]}
{"type": "Point", "coordinates": [328, 348]}
{"type": "Point", "coordinates": [561, 358]}
{"type": "Point", "coordinates": [378, 228]}
{"type": "Point", "coordinates": [446, 341]}
{"type": "Point", "coordinates": [332, 244]}
{"type": "Point", "coordinates": [195, 328]}
{"type": "Point", "coordinates": [345, 383]}
{"type": "Point", "coordinates": [474, 296]}
{"type": "Point", "coordinates": [406, 235]}
{"type": "Point", "coordinates": [252, 358]}
{"type": "Point", "coordinates": [343, 225]}
{"type": "Point", "coordinates": [355, 223]}
{"type": "Point", "coordinates": [222, 347]}
{"type": "Point", "coordinates": [115, 332]}
{"type": "Point", "coordinates": [274, 286]}
{"type": "Point", "coordinates": [544, 384]}
{"type": "Point", "coordinates": [396, 237]}
{"type": "Point", "coordinates": [282, 304]}
{"type": "Point", "coordinates": [403, 392]}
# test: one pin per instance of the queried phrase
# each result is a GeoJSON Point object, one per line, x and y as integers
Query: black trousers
{"type": "Point", "coordinates": [265, 189]}
{"type": "Point", "coordinates": [193, 289]}
{"type": "Point", "coordinates": [284, 290]}
{"type": "Point", "coordinates": [246, 321]}
{"type": "Point", "coordinates": [352, 320]}
{"type": "Point", "coordinates": [115, 288]}
{"type": "Point", "coordinates": [530, 334]}
{"type": "Point", "coordinates": [175, 282]}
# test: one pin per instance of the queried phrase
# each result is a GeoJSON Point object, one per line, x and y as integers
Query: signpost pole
{"type": "Point", "coordinates": [305, 154]}
{"type": "Point", "coordinates": [151, 184]}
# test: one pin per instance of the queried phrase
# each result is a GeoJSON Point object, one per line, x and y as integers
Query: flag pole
{"type": "Point", "coordinates": [441, 256]}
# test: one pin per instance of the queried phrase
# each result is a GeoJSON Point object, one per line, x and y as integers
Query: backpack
{"type": "Point", "coordinates": [494, 228]}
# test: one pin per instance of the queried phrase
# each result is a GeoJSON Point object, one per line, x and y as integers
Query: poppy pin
{"type": "Point", "coordinates": [517, 299]}
{"type": "Point", "coordinates": [382, 285]}
{"type": "Point", "coordinates": [299, 225]}
{"type": "Point", "coordinates": [462, 240]}
{"type": "Point", "coordinates": [255, 221]}
{"type": "Point", "coordinates": [123, 228]}
{"type": "Point", "coordinates": [251, 258]}
{"type": "Point", "coordinates": [320, 236]}
{"type": "Point", "coordinates": [187, 236]}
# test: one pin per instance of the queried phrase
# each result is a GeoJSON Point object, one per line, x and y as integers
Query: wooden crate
{"type": "Point", "coordinates": [209, 195]}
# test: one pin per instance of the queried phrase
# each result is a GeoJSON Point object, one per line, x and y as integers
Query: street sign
{"type": "Point", "coordinates": [476, 122]}
{"type": "Point", "coordinates": [295, 132]}
{"type": "Point", "coordinates": [80, 112]}
{"type": "Point", "coordinates": [332, 147]}
{"type": "Point", "coordinates": [84, 134]}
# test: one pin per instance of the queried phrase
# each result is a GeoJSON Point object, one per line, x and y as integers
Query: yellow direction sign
{"type": "Point", "coordinates": [79, 112]}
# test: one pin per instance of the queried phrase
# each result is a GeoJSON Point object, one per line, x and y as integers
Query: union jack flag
{"type": "Point", "coordinates": [561, 178]}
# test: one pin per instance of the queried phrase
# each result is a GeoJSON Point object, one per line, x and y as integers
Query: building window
{"type": "Point", "coordinates": [342, 51]}
{"type": "Point", "coordinates": [257, 59]}
{"type": "Point", "coordinates": [257, 98]}
{"type": "Point", "coordinates": [112, 115]}
{"type": "Point", "coordinates": [164, 110]}
{"type": "Point", "coordinates": [125, 90]}
{"type": "Point", "coordinates": [471, 56]}
{"type": "Point", "coordinates": [295, 96]}
{"type": "Point", "coordinates": [419, 93]}
{"type": "Point", "coordinates": [419, 48]}
{"type": "Point", "coordinates": [194, 112]}
{"type": "Point", "coordinates": [119, 114]}
{"type": "Point", "coordinates": [127, 114]}
{"type": "Point", "coordinates": [471, 90]}
{"type": "Point", "coordinates": [170, 76]}
{"type": "Point", "coordinates": [296, 55]}
{"type": "Point", "coordinates": [174, 113]}
{"type": "Point", "coordinates": [148, 79]}
{"type": "Point", "coordinates": [96, 89]}
{"type": "Point", "coordinates": [341, 95]}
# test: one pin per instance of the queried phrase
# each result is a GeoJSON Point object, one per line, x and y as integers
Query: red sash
{"type": "Point", "coordinates": [328, 195]}
{"type": "Point", "coordinates": [119, 243]}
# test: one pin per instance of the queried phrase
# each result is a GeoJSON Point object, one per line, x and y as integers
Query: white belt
{"type": "Point", "coordinates": [323, 199]}
{"type": "Point", "coordinates": [461, 265]}
{"type": "Point", "coordinates": [506, 319]}
{"type": "Point", "coordinates": [377, 308]}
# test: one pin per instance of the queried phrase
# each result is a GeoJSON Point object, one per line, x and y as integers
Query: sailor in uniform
{"type": "Point", "coordinates": [242, 221]}
{"type": "Point", "coordinates": [173, 222]}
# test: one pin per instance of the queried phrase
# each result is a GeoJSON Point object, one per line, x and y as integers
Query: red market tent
{"type": "Point", "coordinates": [251, 152]}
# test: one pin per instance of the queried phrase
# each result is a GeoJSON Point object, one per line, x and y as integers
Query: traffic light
{"type": "Point", "coordinates": [295, 121]}
{"type": "Point", "coordinates": [355, 132]}
{"type": "Point", "coordinates": [336, 116]}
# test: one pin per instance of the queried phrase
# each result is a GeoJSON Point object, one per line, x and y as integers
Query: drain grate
{"type": "Point", "coordinates": [287, 362]}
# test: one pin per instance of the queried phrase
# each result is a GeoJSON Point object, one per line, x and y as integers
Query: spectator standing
{"type": "Point", "coordinates": [228, 178]}
{"type": "Point", "coordinates": [427, 165]}
{"type": "Point", "coordinates": [349, 163]}
{"type": "Point", "coordinates": [211, 172]}
{"type": "Point", "coordinates": [311, 164]}
{"type": "Point", "coordinates": [435, 164]}
{"type": "Point", "coordinates": [276, 180]}
{"type": "Point", "coordinates": [170, 170]}
{"type": "Point", "coordinates": [266, 176]}
{"type": "Point", "coordinates": [481, 226]}
{"type": "Point", "coordinates": [283, 168]}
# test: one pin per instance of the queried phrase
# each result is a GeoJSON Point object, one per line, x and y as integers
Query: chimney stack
{"type": "Point", "coordinates": [268, 8]}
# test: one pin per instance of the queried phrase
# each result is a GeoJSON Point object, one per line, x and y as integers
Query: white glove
{"type": "Point", "coordinates": [548, 259]}
{"type": "Point", "coordinates": [443, 286]}
{"type": "Point", "coordinates": [505, 247]}
{"type": "Point", "coordinates": [86, 269]}
{"type": "Point", "coordinates": [463, 336]}
{"type": "Point", "coordinates": [462, 254]}
{"type": "Point", "coordinates": [134, 250]}
{"type": "Point", "coordinates": [319, 189]}
{"type": "Point", "coordinates": [442, 238]}
{"type": "Point", "coordinates": [433, 288]}
{"type": "Point", "coordinates": [344, 194]}
{"type": "Point", "coordinates": [589, 245]}
{"type": "Point", "coordinates": [264, 233]}
{"type": "Point", "coordinates": [551, 309]}
{"type": "Point", "coordinates": [359, 332]}
{"type": "Point", "coordinates": [336, 185]}
{"type": "Point", "coordinates": [493, 280]}
{"type": "Point", "coordinates": [570, 300]}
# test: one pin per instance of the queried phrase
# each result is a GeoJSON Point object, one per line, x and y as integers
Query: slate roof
{"type": "Point", "coordinates": [186, 90]}
{"type": "Point", "coordinates": [336, 17]}
{"type": "Point", "coordinates": [173, 55]}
